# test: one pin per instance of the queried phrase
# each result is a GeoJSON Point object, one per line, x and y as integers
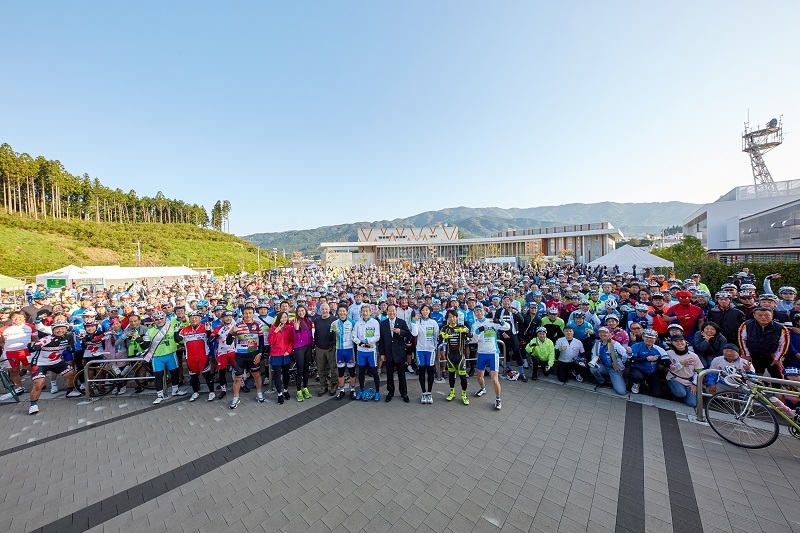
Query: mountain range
{"type": "Point", "coordinates": [632, 218]}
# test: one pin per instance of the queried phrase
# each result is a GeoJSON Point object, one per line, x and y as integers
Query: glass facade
{"type": "Point", "coordinates": [776, 228]}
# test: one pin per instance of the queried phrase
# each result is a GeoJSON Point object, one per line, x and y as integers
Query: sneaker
{"type": "Point", "coordinates": [280, 399]}
{"type": "Point", "coordinates": [82, 387]}
{"type": "Point", "coordinates": [498, 404]}
{"type": "Point", "coordinates": [464, 397]}
{"type": "Point", "coordinates": [33, 409]}
{"type": "Point", "coordinates": [222, 394]}
{"type": "Point", "coordinates": [450, 396]}
{"type": "Point", "coordinates": [481, 392]}
{"type": "Point", "coordinates": [234, 403]}
{"type": "Point", "coordinates": [271, 390]}
{"type": "Point", "coordinates": [138, 390]}
{"type": "Point", "coordinates": [74, 394]}
{"type": "Point", "coordinates": [340, 394]}
{"type": "Point", "coordinates": [211, 397]}
{"type": "Point", "coordinates": [424, 398]}
{"type": "Point", "coordinates": [359, 395]}
{"type": "Point", "coordinates": [377, 396]}
{"type": "Point", "coordinates": [352, 394]}
{"type": "Point", "coordinates": [286, 395]}
{"type": "Point", "coordinates": [578, 378]}
{"type": "Point", "coordinates": [260, 398]}
{"type": "Point", "coordinates": [19, 390]}
{"type": "Point", "coordinates": [410, 369]}
{"type": "Point", "coordinates": [299, 396]}
{"type": "Point", "coordinates": [430, 397]}
{"type": "Point", "coordinates": [306, 393]}
{"type": "Point", "coordinates": [122, 390]}
{"type": "Point", "coordinates": [179, 392]}
{"type": "Point", "coordinates": [194, 396]}
{"type": "Point", "coordinates": [159, 399]}
{"type": "Point", "coordinates": [53, 388]}
{"type": "Point", "coordinates": [635, 388]}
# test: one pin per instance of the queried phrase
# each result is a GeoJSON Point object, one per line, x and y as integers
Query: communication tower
{"type": "Point", "coordinates": [757, 143]}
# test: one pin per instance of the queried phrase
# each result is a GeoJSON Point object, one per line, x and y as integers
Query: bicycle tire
{"type": "Point", "coordinates": [103, 389]}
{"type": "Point", "coordinates": [9, 385]}
{"type": "Point", "coordinates": [756, 429]}
{"type": "Point", "coordinates": [142, 371]}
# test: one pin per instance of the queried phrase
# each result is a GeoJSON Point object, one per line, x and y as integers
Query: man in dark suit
{"type": "Point", "coordinates": [392, 350]}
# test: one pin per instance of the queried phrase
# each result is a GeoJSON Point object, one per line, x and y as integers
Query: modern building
{"type": "Point", "coordinates": [717, 224]}
{"type": "Point", "coordinates": [586, 241]}
{"type": "Point", "coordinates": [770, 235]}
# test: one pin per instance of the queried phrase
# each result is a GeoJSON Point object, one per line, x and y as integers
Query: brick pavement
{"type": "Point", "coordinates": [551, 460]}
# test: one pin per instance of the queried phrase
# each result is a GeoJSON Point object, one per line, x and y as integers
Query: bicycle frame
{"type": "Point", "coordinates": [701, 389]}
{"type": "Point", "coordinates": [123, 377]}
{"type": "Point", "coordinates": [757, 391]}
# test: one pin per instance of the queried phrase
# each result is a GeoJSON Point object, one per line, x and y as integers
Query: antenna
{"type": "Point", "coordinates": [758, 142]}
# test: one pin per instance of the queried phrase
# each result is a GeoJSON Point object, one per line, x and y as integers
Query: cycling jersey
{"type": "Point", "coordinates": [17, 338]}
{"type": "Point", "coordinates": [248, 338]}
{"type": "Point", "coordinates": [455, 338]}
{"type": "Point", "coordinates": [484, 332]}
{"type": "Point", "coordinates": [426, 330]}
{"type": "Point", "coordinates": [49, 350]}
{"type": "Point", "coordinates": [368, 332]}
{"type": "Point", "coordinates": [344, 335]}
{"type": "Point", "coordinates": [195, 340]}
{"type": "Point", "coordinates": [224, 343]}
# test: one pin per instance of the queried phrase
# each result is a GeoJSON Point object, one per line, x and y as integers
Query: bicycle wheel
{"type": "Point", "coordinates": [142, 371]}
{"type": "Point", "coordinates": [101, 388]}
{"type": "Point", "coordinates": [9, 385]}
{"type": "Point", "coordinates": [755, 428]}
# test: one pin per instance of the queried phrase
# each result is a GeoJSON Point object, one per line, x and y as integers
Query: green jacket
{"type": "Point", "coordinates": [545, 350]}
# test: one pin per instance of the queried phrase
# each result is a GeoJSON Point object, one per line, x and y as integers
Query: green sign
{"type": "Point", "coordinates": [56, 283]}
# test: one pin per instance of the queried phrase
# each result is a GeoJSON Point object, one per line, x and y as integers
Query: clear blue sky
{"type": "Point", "coordinates": [305, 114]}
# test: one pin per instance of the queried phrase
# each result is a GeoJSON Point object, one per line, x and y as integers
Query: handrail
{"type": "Point", "coordinates": [99, 362]}
{"type": "Point", "coordinates": [701, 395]}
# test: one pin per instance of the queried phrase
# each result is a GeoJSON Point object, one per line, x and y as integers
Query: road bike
{"type": "Point", "coordinates": [139, 371]}
{"type": "Point", "coordinates": [749, 416]}
{"type": "Point", "coordinates": [5, 379]}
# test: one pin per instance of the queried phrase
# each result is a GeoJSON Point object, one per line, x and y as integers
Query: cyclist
{"type": "Point", "coordinates": [542, 352]}
{"type": "Point", "coordinates": [324, 350]}
{"type": "Point", "coordinates": [345, 358]}
{"type": "Point", "coordinates": [366, 334]}
{"type": "Point", "coordinates": [224, 349]}
{"type": "Point", "coordinates": [94, 342]}
{"type": "Point", "coordinates": [426, 331]}
{"type": "Point", "coordinates": [195, 338]}
{"type": "Point", "coordinates": [302, 349]}
{"type": "Point", "coordinates": [47, 356]}
{"type": "Point", "coordinates": [249, 344]}
{"type": "Point", "coordinates": [484, 333]}
{"type": "Point", "coordinates": [17, 336]}
{"type": "Point", "coordinates": [455, 339]}
{"type": "Point", "coordinates": [160, 341]}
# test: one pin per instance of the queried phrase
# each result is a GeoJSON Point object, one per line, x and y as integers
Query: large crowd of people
{"type": "Point", "coordinates": [444, 322]}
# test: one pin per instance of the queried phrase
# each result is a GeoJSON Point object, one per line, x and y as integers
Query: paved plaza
{"type": "Point", "coordinates": [556, 458]}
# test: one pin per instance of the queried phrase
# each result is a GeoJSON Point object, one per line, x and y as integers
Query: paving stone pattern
{"type": "Point", "coordinates": [554, 459]}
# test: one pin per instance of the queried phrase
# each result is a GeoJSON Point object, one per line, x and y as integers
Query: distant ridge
{"type": "Point", "coordinates": [631, 218]}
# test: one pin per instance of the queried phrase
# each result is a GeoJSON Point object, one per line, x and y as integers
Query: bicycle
{"type": "Point", "coordinates": [748, 418]}
{"type": "Point", "coordinates": [136, 372]}
{"type": "Point", "coordinates": [5, 378]}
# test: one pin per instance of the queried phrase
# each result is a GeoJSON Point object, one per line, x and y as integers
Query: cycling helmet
{"type": "Point", "coordinates": [60, 324]}
{"type": "Point", "coordinates": [747, 287]}
{"type": "Point", "coordinates": [722, 294]}
{"type": "Point", "coordinates": [650, 334]}
{"type": "Point", "coordinates": [641, 307]}
{"type": "Point", "coordinates": [39, 295]}
{"type": "Point", "coordinates": [615, 318]}
{"type": "Point", "coordinates": [611, 303]}
{"type": "Point", "coordinates": [541, 329]}
{"type": "Point", "coordinates": [584, 302]}
{"type": "Point", "coordinates": [675, 326]}
{"type": "Point", "coordinates": [726, 286]}
{"type": "Point", "coordinates": [227, 313]}
{"type": "Point", "coordinates": [768, 297]}
{"type": "Point", "coordinates": [578, 314]}
{"type": "Point", "coordinates": [194, 313]}
{"type": "Point", "coordinates": [159, 315]}
{"type": "Point", "coordinates": [89, 322]}
{"type": "Point", "coordinates": [787, 289]}
{"type": "Point", "coordinates": [202, 303]}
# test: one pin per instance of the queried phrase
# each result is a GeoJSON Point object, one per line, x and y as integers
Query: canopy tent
{"type": "Point", "coordinates": [7, 282]}
{"type": "Point", "coordinates": [104, 276]}
{"type": "Point", "coordinates": [117, 275]}
{"type": "Point", "coordinates": [69, 276]}
{"type": "Point", "coordinates": [627, 256]}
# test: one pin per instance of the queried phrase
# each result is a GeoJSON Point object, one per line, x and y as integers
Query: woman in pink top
{"type": "Point", "coordinates": [303, 343]}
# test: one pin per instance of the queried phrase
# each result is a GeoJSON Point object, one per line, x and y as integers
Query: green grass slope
{"type": "Point", "coordinates": [29, 247]}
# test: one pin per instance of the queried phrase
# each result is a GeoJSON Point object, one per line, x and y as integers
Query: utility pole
{"type": "Point", "coordinates": [275, 253]}
{"type": "Point", "coordinates": [138, 252]}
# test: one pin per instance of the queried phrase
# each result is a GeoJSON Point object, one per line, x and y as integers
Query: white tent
{"type": "Point", "coordinates": [627, 256]}
{"type": "Point", "coordinates": [69, 276]}
{"type": "Point", "coordinates": [118, 275]}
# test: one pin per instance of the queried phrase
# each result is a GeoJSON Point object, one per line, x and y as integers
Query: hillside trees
{"type": "Point", "coordinates": [44, 189]}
